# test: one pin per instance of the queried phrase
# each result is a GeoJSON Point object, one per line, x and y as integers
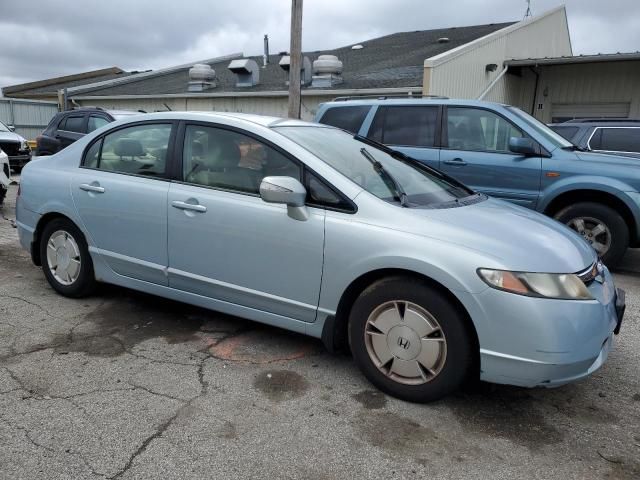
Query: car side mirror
{"type": "Point", "coordinates": [523, 146]}
{"type": "Point", "coordinates": [11, 128]}
{"type": "Point", "coordinates": [287, 191]}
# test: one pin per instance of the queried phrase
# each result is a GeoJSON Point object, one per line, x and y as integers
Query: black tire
{"type": "Point", "coordinates": [85, 282]}
{"type": "Point", "coordinates": [458, 361]}
{"type": "Point", "coordinates": [610, 218]}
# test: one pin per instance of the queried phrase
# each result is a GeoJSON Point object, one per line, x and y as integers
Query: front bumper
{"type": "Point", "coordinates": [532, 342]}
{"type": "Point", "coordinates": [19, 161]}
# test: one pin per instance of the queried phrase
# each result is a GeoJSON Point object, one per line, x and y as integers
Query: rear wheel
{"type": "Point", "coordinates": [601, 226]}
{"type": "Point", "coordinates": [409, 340]}
{"type": "Point", "coordinates": [65, 259]}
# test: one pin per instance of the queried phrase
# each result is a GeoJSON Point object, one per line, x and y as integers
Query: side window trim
{"type": "Point", "coordinates": [169, 160]}
{"type": "Point", "coordinates": [445, 129]}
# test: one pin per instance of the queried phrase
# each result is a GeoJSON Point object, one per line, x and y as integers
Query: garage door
{"type": "Point", "coordinates": [561, 112]}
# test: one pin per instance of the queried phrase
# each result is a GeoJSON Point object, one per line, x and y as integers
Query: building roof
{"type": "Point", "coordinates": [50, 86]}
{"type": "Point", "coordinates": [600, 57]}
{"type": "Point", "coordinates": [391, 61]}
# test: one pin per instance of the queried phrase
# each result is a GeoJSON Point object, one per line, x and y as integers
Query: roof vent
{"type": "Point", "coordinates": [201, 77]}
{"type": "Point", "coordinates": [357, 47]}
{"type": "Point", "coordinates": [305, 69]}
{"type": "Point", "coordinates": [247, 71]}
{"type": "Point", "coordinates": [443, 40]}
{"type": "Point", "coordinates": [328, 71]}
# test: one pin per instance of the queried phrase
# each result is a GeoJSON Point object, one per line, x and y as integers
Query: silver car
{"type": "Point", "coordinates": [308, 228]}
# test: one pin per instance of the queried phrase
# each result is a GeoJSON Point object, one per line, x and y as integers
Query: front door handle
{"type": "Point", "coordinates": [458, 162]}
{"type": "Point", "coordinates": [91, 188]}
{"type": "Point", "coordinates": [188, 206]}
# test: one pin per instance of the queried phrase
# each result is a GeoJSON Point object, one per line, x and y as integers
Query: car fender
{"type": "Point", "coordinates": [612, 186]}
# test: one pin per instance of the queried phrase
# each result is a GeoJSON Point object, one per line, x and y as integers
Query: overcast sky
{"type": "Point", "coordinates": [47, 38]}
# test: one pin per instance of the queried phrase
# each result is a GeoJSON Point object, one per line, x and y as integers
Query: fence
{"type": "Point", "coordinates": [29, 117]}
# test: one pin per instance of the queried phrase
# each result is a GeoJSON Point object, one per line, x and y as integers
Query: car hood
{"type": "Point", "coordinates": [608, 158]}
{"type": "Point", "coordinates": [10, 136]}
{"type": "Point", "coordinates": [516, 238]}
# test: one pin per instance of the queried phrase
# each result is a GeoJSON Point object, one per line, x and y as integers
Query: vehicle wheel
{"type": "Point", "coordinates": [601, 226]}
{"type": "Point", "coordinates": [65, 259]}
{"type": "Point", "coordinates": [409, 340]}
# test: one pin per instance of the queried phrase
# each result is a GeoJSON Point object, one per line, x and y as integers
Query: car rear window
{"type": "Point", "coordinates": [566, 132]}
{"type": "Point", "coordinates": [616, 139]}
{"type": "Point", "coordinates": [347, 118]}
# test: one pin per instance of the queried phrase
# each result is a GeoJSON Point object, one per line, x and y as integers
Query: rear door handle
{"type": "Point", "coordinates": [91, 188]}
{"type": "Point", "coordinates": [188, 206]}
{"type": "Point", "coordinates": [456, 161]}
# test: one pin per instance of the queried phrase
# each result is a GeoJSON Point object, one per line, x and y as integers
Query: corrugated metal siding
{"type": "Point", "coordinates": [28, 116]}
{"type": "Point", "coordinates": [589, 84]}
{"type": "Point", "coordinates": [276, 106]}
{"type": "Point", "coordinates": [464, 76]}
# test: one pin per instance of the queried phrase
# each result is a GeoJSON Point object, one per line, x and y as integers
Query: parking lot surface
{"type": "Point", "coordinates": [126, 385]}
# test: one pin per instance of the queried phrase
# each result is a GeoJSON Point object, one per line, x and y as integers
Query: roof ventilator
{"type": "Point", "coordinates": [327, 72]}
{"type": "Point", "coordinates": [305, 69]}
{"type": "Point", "coordinates": [247, 72]}
{"type": "Point", "coordinates": [201, 77]}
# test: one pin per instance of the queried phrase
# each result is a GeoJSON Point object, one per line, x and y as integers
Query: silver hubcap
{"type": "Point", "coordinates": [63, 257]}
{"type": "Point", "coordinates": [405, 342]}
{"type": "Point", "coordinates": [593, 231]}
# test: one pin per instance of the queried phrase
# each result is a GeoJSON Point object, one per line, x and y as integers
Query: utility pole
{"type": "Point", "coordinates": [295, 58]}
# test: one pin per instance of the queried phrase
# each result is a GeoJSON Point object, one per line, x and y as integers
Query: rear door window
{"type": "Point", "coordinates": [347, 118]}
{"type": "Point", "coordinates": [95, 122]}
{"type": "Point", "coordinates": [73, 123]}
{"type": "Point", "coordinates": [616, 139]}
{"type": "Point", "coordinates": [410, 126]}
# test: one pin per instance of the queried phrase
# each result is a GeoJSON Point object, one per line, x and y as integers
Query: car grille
{"type": "Point", "coordinates": [590, 274]}
{"type": "Point", "coordinates": [10, 148]}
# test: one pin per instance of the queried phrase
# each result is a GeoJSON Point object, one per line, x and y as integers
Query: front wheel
{"type": "Point", "coordinates": [601, 226]}
{"type": "Point", "coordinates": [65, 259]}
{"type": "Point", "coordinates": [409, 340]}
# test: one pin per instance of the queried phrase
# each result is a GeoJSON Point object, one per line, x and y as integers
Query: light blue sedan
{"type": "Point", "coordinates": [308, 228]}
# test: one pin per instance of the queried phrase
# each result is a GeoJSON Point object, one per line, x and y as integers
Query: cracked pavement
{"type": "Point", "coordinates": [126, 385]}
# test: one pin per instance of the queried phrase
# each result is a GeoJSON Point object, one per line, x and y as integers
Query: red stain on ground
{"type": "Point", "coordinates": [262, 348]}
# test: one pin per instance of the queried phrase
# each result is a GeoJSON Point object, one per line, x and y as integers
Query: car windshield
{"type": "Point", "coordinates": [4, 128]}
{"type": "Point", "coordinates": [398, 180]}
{"type": "Point", "coordinates": [556, 140]}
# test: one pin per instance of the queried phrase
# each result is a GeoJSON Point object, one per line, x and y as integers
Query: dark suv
{"type": "Point", "coordinates": [606, 135]}
{"type": "Point", "coordinates": [68, 126]}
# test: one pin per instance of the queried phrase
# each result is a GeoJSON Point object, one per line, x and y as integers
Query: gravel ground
{"type": "Point", "coordinates": [126, 385]}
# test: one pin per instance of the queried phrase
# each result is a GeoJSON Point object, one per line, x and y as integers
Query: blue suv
{"type": "Point", "coordinates": [506, 153]}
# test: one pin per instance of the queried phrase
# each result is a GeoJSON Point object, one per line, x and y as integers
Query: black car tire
{"type": "Point", "coordinates": [456, 366]}
{"type": "Point", "coordinates": [608, 217]}
{"type": "Point", "coordinates": [85, 282]}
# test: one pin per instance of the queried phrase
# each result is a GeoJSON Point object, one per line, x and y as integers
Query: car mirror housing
{"type": "Point", "coordinates": [523, 146]}
{"type": "Point", "coordinates": [287, 191]}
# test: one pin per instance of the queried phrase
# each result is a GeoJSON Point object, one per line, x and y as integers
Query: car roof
{"type": "Point", "coordinates": [351, 101]}
{"type": "Point", "coordinates": [263, 120]}
{"type": "Point", "coordinates": [598, 123]}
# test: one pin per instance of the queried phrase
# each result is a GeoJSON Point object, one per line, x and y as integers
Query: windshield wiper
{"type": "Point", "coordinates": [398, 191]}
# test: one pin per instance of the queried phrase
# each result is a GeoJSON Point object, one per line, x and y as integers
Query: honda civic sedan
{"type": "Point", "coordinates": [308, 228]}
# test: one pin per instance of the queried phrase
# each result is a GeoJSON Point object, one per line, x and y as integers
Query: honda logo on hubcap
{"type": "Point", "coordinates": [403, 342]}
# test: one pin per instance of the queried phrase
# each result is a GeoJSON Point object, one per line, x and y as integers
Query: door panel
{"type": "Point", "coordinates": [236, 248]}
{"type": "Point", "coordinates": [478, 156]}
{"type": "Point", "coordinates": [126, 217]}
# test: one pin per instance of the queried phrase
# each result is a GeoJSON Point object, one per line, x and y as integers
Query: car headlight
{"type": "Point", "coordinates": [564, 286]}
{"type": "Point", "coordinates": [24, 145]}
